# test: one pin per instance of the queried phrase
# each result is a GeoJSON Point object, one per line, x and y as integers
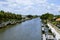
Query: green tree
{"type": "Point", "coordinates": [47, 16]}
{"type": "Point", "coordinates": [29, 16]}
{"type": "Point", "coordinates": [9, 16]}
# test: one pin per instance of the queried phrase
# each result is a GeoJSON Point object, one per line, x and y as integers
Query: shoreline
{"type": "Point", "coordinates": [13, 22]}
{"type": "Point", "coordinates": [54, 31]}
{"type": "Point", "coordinates": [47, 33]}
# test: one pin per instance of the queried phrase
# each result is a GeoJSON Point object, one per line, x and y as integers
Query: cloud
{"type": "Point", "coordinates": [28, 6]}
{"type": "Point", "coordinates": [27, 2]}
{"type": "Point", "coordinates": [58, 8]}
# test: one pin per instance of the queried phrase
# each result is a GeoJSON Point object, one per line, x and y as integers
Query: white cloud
{"type": "Point", "coordinates": [26, 2]}
{"type": "Point", "coordinates": [28, 5]}
{"type": "Point", "coordinates": [52, 4]}
{"type": "Point", "coordinates": [40, 1]}
{"type": "Point", "coordinates": [58, 8]}
{"type": "Point", "coordinates": [23, 2]}
{"type": "Point", "coordinates": [1, 3]}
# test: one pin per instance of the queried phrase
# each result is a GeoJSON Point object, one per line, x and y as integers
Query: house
{"type": "Point", "coordinates": [57, 19]}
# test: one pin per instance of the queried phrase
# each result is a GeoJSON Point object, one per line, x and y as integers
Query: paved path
{"type": "Point", "coordinates": [54, 31]}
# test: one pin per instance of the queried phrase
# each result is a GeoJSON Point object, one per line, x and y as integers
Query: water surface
{"type": "Point", "coordinates": [28, 30]}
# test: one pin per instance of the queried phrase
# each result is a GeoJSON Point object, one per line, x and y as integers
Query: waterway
{"type": "Point", "coordinates": [28, 30]}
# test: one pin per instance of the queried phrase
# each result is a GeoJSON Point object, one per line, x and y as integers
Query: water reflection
{"type": "Point", "coordinates": [29, 30]}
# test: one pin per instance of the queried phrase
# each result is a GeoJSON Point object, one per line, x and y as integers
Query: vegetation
{"type": "Point", "coordinates": [51, 18]}
{"type": "Point", "coordinates": [4, 16]}
{"type": "Point", "coordinates": [57, 16]}
{"type": "Point", "coordinates": [47, 16]}
{"type": "Point", "coordinates": [31, 16]}
{"type": "Point", "coordinates": [8, 18]}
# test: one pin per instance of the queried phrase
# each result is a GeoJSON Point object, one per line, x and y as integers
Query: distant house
{"type": "Point", "coordinates": [58, 19]}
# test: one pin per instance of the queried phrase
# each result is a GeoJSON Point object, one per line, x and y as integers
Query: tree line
{"type": "Point", "coordinates": [8, 15]}
{"type": "Point", "coordinates": [5, 16]}
{"type": "Point", "coordinates": [47, 16]}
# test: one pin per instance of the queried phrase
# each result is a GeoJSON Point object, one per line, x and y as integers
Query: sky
{"type": "Point", "coordinates": [31, 7]}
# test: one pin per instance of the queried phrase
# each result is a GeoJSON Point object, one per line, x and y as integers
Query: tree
{"type": "Point", "coordinates": [47, 16]}
{"type": "Point", "coordinates": [29, 16]}
{"type": "Point", "coordinates": [8, 16]}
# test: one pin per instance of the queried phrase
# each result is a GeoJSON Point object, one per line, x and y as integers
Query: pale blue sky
{"type": "Point", "coordinates": [34, 7]}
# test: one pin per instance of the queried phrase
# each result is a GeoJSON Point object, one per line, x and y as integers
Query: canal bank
{"type": "Point", "coordinates": [54, 30]}
{"type": "Point", "coordinates": [28, 30]}
{"type": "Point", "coordinates": [12, 22]}
{"type": "Point", "coordinates": [47, 34]}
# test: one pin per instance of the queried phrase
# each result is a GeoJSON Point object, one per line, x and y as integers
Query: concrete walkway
{"type": "Point", "coordinates": [54, 31]}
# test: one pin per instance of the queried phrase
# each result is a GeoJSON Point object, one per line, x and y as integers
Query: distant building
{"type": "Point", "coordinates": [58, 19]}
